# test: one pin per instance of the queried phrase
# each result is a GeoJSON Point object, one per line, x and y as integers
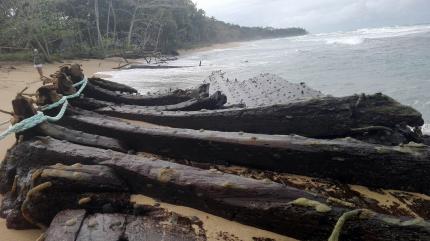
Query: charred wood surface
{"type": "Point", "coordinates": [66, 225]}
{"type": "Point", "coordinates": [215, 101]}
{"type": "Point", "coordinates": [96, 189]}
{"type": "Point", "coordinates": [91, 103]}
{"type": "Point", "coordinates": [171, 98]}
{"type": "Point", "coordinates": [39, 193]}
{"type": "Point", "coordinates": [154, 225]}
{"type": "Point", "coordinates": [321, 118]}
{"type": "Point", "coordinates": [346, 160]}
{"type": "Point", "coordinates": [79, 137]}
{"type": "Point", "coordinates": [264, 204]}
{"type": "Point", "coordinates": [112, 86]}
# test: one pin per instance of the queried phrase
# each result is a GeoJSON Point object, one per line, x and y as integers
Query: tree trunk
{"type": "Point", "coordinates": [108, 19]}
{"type": "Point", "coordinates": [97, 16]}
{"type": "Point", "coordinates": [160, 28]}
{"type": "Point", "coordinates": [263, 204]}
{"type": "Point", "coordinates": [130, 30]}
{"type": "Point", "coordinates": [114, 25]}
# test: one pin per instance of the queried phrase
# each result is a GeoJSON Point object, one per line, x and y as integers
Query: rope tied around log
{"type": "Point", "coordinates": [40, 117]}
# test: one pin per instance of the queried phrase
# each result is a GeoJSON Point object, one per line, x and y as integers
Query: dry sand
{"type": "Point", "coordinates": [13, 80]}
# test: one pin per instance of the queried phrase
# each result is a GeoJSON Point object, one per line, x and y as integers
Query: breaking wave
{"type": "Point", "coordinates": [347, 41]}
{"type": "Point", "coordinates": [361, 35]}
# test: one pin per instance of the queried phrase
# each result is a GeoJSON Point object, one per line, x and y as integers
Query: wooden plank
{"type": "Point", "coordinates": [345, 160]}
{"type": "Point", "coordinates": [65, 226]}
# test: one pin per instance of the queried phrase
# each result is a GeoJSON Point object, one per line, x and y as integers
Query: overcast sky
{"type": "Point", "coordinates": [319, 15]}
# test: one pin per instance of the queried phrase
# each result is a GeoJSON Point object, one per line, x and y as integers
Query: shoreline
{"type": "Point", "coordinates": [185, 52]}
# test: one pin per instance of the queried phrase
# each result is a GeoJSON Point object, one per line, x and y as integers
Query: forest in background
{"type": "Point", "coordinates": [102, 28]}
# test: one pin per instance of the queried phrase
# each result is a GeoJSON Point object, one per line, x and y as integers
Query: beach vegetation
{"type": "Point", "coordinates": [103, 28]}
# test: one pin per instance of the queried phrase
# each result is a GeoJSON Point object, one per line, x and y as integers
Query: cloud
{"type": "Point", "coordinates": [319, 15]}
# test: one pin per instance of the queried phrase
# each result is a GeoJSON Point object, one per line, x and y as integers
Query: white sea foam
{"type": "Point", "coordinates": [346, 40]}
{"type": "Point", "coordinates": [361, 35]}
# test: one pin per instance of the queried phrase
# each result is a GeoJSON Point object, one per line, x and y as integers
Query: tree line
{"type": "Point", "coordinates": [100, 28]}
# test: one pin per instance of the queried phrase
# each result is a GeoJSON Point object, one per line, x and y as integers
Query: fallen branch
{"type": "Point", "coordinates": [6, 112]}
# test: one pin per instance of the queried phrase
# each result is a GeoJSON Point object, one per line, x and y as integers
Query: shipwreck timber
{"type": "Point", "coordinates": [290, 211]}
{"type": "Point", "coordinates": [99, 163]}
{"type": "Point", "coordinates": [215, 101]}
{"type": "Point", "coordinates": [342, 159]}
{"type": "Point", "coordinates": [319, 118]}
{"type": "Point", "coordinates": [112, 86]}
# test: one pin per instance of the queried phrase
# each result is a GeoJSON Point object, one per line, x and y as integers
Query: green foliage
{"type": "Point", "coordinates": [16, 56]}
{"type": "Point", "coordinates": [97, 28]}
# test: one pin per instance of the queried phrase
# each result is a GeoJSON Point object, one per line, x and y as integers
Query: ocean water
{"type": "Point", "coordinates": [394, 61]}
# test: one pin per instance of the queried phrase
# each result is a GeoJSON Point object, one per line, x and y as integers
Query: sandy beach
{"type": "Point", "coordinates": [14, 77]}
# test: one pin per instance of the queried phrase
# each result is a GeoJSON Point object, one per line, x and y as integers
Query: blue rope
{"type": "Point", "coordinates": [83, 84]}
{"type": "Point", "coordinates": [40, 117]}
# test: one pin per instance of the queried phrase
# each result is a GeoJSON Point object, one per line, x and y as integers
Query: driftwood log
{"type": "Point", "coordinates": [105, 90]}
{"type": "Point", "coordinates": [23, 109]}
{"type": "Point", "coordinates": [74, 73]}
{"type": "Point", "coordinates": [215, 101]}
{"type": "Point", "coordinates": [112, 86]}
{"type": "Point", "coordinates": [171, 98]}
{"type": "Point", "coordinates": [264, 204]}
{"type": "Point", "coordinates": [346, 160]}
{"type": "Point", "coordinates": [94, 189]}
{"type": "Point", "coordinates": [320, 118]}
{"type": "Point", "coordinates": [63, 187]}
{"type": "Point", "coordinates": [78, 137]}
